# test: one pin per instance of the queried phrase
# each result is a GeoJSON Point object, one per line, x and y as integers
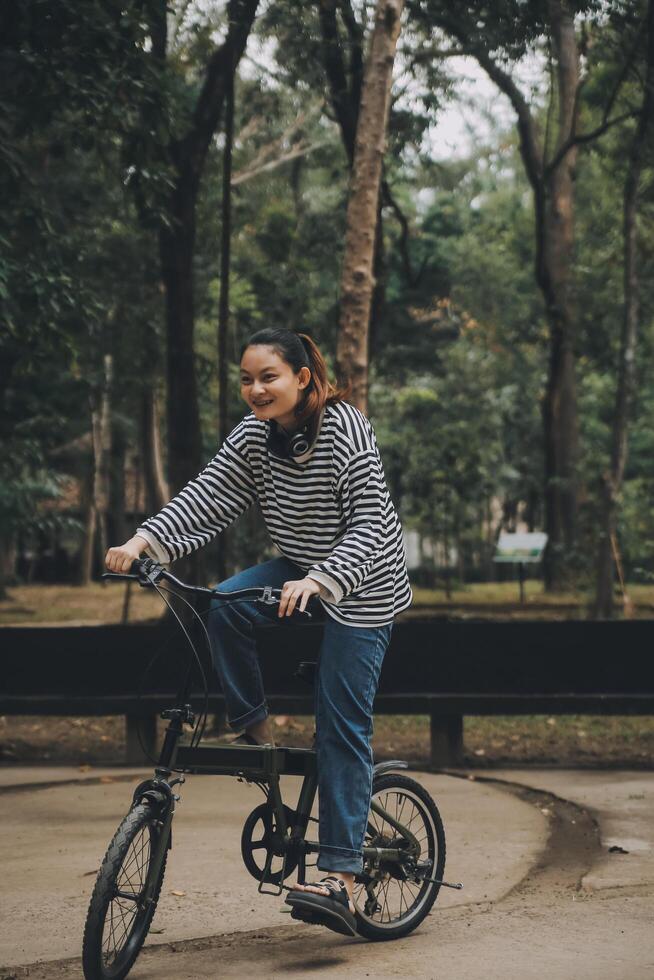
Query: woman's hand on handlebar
{"type": "Point", "coordinates": [301, 590]}
{"type": "Point", "coordinates": [120, 559]}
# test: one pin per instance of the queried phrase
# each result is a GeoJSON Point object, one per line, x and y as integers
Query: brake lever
{"type": "Point", "coordinates": [121, 575]}
{"type": "Point", "coordinates": [269, 600]}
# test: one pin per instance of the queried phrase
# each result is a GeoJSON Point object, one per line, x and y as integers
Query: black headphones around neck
{"type": "Point", "coordinates": [280, 443]}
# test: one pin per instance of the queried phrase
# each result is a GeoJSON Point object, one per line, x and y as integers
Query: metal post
{"type": "Point", "coordinates": [146, 727]}
{"type": "Point", "coordinates": [446, 740]}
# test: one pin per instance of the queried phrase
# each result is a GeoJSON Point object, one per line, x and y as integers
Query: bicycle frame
{"type": "Point", "coordinates": [262, 765]}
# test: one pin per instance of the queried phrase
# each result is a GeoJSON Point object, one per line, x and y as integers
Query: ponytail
{"type": "Point", "coordinates": [320, 390]}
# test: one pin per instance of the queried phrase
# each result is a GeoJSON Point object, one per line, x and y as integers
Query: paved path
{"type": "Point", "coordinates": [543, 895]}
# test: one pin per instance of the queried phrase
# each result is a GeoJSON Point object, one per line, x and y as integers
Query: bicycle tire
{"type": "Point", "coordinates": [405, 922]}
{"type": "Point", "coordinates": [142, 819]}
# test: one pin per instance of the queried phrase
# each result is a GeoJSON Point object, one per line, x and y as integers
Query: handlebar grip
{"type": "Point", "coordinates": [123, 575]}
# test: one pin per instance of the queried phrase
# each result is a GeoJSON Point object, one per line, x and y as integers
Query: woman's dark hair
{"type": "Point", "coordinates": [299, 350]}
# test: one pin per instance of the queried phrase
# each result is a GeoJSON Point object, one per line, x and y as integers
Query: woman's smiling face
{"type": "Point", "coordinates": [270, 386]}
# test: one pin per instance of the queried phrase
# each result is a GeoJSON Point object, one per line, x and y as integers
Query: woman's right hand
{"type": "Point", "coordinates": [120, 559]}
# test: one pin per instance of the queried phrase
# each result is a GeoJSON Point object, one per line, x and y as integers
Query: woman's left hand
{"type": "Point", "coordinates": [303, 589]}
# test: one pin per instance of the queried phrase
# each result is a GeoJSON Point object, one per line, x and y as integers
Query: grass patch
{"type": "Point", "coordinates": [99, 602]}
{"type": "Point", "coordinates": [102, 602]}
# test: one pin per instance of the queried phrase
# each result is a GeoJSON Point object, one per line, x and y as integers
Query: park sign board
{"type": "Point", "coordinates": [522, 547]}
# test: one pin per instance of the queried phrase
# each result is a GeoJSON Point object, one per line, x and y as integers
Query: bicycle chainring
{"type": "Point", "coordinates": [261, 841]}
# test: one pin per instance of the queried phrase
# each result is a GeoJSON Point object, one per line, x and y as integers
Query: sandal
{"type": "Point", "coordinates": [331, 910]}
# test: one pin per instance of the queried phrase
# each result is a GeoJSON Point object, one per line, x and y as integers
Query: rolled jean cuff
{"type": "Point", "coordinates": [339, 859]}
{"type": "Point", "coordinates": [250, 717]}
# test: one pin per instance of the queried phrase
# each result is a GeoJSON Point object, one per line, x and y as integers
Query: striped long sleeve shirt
{"type": "Point", "coordinates": [329, 511]}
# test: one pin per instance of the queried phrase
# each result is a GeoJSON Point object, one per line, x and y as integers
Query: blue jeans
{"type": "Point", "coordinates": [348, 673]}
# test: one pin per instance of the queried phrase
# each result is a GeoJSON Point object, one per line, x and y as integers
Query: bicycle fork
{"type": "Point", "coordinates": [158, 794]}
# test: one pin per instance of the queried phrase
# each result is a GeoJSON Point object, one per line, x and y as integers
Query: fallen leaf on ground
{"type": "Point", "coordinates": [179, 894]}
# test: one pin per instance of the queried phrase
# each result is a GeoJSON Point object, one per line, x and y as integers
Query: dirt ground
{"type": "Point", "coordinates": [556, 866]}
{"type": "Point", "coordinates": [568, 741]}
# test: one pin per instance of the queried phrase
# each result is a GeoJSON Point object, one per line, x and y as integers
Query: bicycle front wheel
{"type": "Point", "coordinates": [119, 914]}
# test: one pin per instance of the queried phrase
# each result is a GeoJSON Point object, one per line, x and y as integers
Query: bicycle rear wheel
{"type": "Point", "coordinates": [392, 899]}
{"type": "Point", "coordinates": [119, 916]}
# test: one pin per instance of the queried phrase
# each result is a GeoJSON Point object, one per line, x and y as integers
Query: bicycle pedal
{"type": "Point", "coordinates": [445, 884]}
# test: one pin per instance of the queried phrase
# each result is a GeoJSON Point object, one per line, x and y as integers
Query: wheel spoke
{"type": "Point", "coordinates": [135, 862]}
{"type": "Point", "coordinates": [110, 944]}
{"type": "Point", "coordinates": [385, 905]}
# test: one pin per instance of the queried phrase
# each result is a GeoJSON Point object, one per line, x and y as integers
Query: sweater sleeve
{"type": "Point", "coordinates": [206, 506]}
{"type": "Point", "coordinates": [362, 489]}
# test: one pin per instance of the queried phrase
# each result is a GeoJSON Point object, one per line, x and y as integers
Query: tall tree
{"type": "Point", "coordinates": [185, 155]}
{"type": "Point", "coordinates": [612, 478]}
{"type": "Point", "coordinates": [357, 280]}
{"type": "Point", "coordinates": [223, 305]}
{"type": "Point", "coordinates": [345, 78]}
{"type": "Point", "coordinates": [550, 161]}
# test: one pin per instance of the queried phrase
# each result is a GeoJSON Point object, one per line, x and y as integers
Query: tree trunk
{"type": "Point", "coordinates": [7, 559]}
{"type": "Point", "coordinates": [177, 237]}
{"type": "Point", "coordinates": [117, 529]}
{"type": "Point", "coordinates": [378, 300]}
{"type": "Point", "coordinates": [223, 306]}
{"type": "Point", "coordinates": [345, 86]}
{"type": "Point", "coordinates": [156, 490]}
{"type": "Point", "coordinates": [88, 527]}
{"type": "Point", "coordinates": [94, 493]}
{"type": "Point", "coordinates": [182, 416]}
{"type": "Point", "coordinates": [560, 417]}
{"type": "Point", "coordinates": [116, 503]}
{"type": "Point", "coordinates": [357, 280]}
{"type": "Point", "coordinates": [612, 479]}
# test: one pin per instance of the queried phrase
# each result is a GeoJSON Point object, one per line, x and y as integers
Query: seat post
{"type": "Point", "coordinates": [306, 671]}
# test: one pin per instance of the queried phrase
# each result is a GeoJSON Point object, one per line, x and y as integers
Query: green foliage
{"type": "Point", "coordinates": [459, 349]}
{"type": "Point", "coordinates": [443, 439]}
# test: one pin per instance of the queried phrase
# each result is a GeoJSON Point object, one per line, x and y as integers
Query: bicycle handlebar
{"type": "Point", "coordinates": [147, 572]}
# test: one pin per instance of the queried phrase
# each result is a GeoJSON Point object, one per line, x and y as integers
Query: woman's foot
{"type": "Point", "coordinates": [320, 889]}
{"type": "Point", "coordinates": [258, 734]}
{"type": "Point", "coordinates": [325, 903]}
{"type": "Point", "coordinates": [261, 732]}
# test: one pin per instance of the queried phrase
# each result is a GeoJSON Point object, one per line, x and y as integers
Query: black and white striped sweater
{"type": "Point", "coordinates": [328, 511]}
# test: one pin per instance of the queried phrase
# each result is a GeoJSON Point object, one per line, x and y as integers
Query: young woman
{"type": "Point", "coordinates": [311, 461]}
